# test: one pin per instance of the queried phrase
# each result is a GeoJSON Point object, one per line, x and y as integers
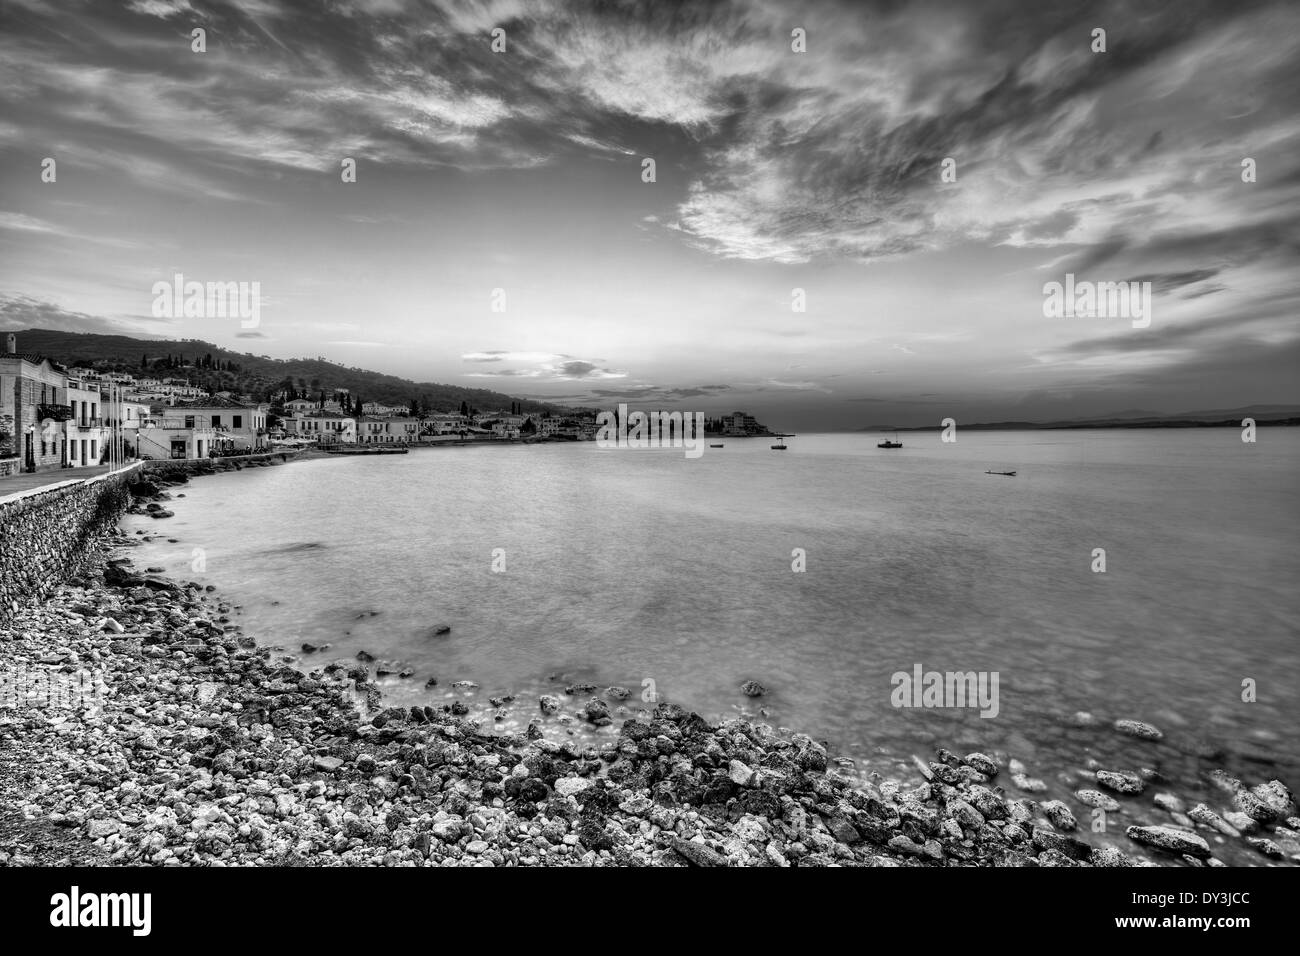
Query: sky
{"type": "Point", "coordinates": [775, 170]}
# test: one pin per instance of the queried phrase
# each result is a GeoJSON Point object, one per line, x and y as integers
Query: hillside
{"type": "Point", "coordinates": [255, 375]}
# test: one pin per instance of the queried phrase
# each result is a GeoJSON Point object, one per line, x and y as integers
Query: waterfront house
{"type": "Point", "coordinates": [387, 431]}
{"type": "Point", "coordinates": [169, 436]}
{"type": "Point", "coordinates": [86, 432]}
{"type": "Point", "coordinates": [241, 425]}
{"type": "Point", "coordinates": [33, 408]}
{"type": "Point", "coordinates": [322, 427]}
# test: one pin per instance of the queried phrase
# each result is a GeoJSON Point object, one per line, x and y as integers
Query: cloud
{"type": "Point", "coordinates": [160, 8]}
{"type": "Point", "coordinates": [19, 311]}
{"type": "Point", "coordinates": [545, 365]}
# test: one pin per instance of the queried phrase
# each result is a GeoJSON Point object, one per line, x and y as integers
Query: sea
{"type": "Point", "coordinates": [1146, 574]}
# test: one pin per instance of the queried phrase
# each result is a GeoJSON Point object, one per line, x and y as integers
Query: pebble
{"type": "Point", "coordinates": [1136, 728]}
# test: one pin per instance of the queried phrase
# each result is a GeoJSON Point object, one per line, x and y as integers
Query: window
{"type": "Point", "coordinates": [238, 421]}
{"type": "Point", "coordinates": [189, 421]}
{"type": "Point", "coordinates": [93, 453]}
{"type": "Point", "coordinates": [216, 420]}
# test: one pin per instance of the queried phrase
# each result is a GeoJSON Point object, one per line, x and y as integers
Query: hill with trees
{"type": "Point", "coordinates": [262, 377]}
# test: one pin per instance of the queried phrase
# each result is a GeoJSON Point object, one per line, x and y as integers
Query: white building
{"type": "Point", "coordinates": [241, 424]}
{"type": "Point", "coordinates": [322, 427]}
{"type": "Point", "coordinates": [387, 431]}
{"type": "Point", "coordinates": [86, 432]}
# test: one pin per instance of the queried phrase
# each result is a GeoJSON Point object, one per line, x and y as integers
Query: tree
{"type": "Point", "coordinates": [527, 428]}
{"type": "Point", "coordinates": [464, 409]}
{"type": "Point", "coordinates": [415, 408]}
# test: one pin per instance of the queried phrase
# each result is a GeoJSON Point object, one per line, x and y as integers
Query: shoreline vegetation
{"type": "Point", "coordinates": [205, 750]}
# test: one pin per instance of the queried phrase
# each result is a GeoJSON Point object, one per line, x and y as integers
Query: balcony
{"type": "Point", "coordinates": [90, 423]}
{"type": "Point", "coordinates": [58, 413]}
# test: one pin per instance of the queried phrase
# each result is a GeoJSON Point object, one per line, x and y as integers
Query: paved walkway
{"type": "Point", "coordinates": [14, 484]}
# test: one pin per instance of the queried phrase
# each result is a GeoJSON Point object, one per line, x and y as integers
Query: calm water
{"type": "Point", "coordinates": [631, 565]}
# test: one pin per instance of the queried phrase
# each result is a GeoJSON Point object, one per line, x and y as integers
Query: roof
{"type": "Point", "coordinates": [35, 358]}
{"type": "Point", "coordinates": [215, 401]}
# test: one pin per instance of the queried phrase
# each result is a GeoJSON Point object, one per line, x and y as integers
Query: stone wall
{"type": "Point", "coordinates": [48, 535]}
{"type": "Point", "coordinates": [171, 468]}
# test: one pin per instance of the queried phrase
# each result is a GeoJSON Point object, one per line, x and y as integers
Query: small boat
{"type": "Point", "coordinates": [890, 444]}
{"type": "Point", "coordinates": [715, 446]}
{"type": "Point", "coordinates": [1009, 474]}
{"type": "Point", "coordinates": [780, 442]}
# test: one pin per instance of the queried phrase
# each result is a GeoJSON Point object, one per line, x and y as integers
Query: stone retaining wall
{"type": "Point", "coordinates": [48, 534]}
{"type": "Point", "coordinates": [211, 466]}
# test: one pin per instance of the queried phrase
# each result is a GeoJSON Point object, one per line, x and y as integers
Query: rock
{"type": "Point", "coordinates": [1241, 822]}
{"type": "Point", "coordinates": [1120, 782]}
{"type": "Point", "coordinates": [327, 764]}
{"type": "Point", "coordinates": [1267, 847]}
{"type": "Point", "coordinates": [1276, 796]}
{"type": "Point", "coordinates": [1069, 846]}
{"type": "Point", "coordinates": [549, 704]}
{"type": "Point", "coordinates": [442, 629]}
{"type": "Point", "coordinates": [1136, 728]}
{"type": "Point", "coordinates": [1203, 814]}
{"type": "Point", "coordinates": [1097, 799]}
{"type": "Point", "coordinates": [984, 764]}
{"type": "Point", "coordinates": [96, 829]}
{"type": "Point", "coordinates": [1028, 784]}
{"type": "Point", "coordinates": [752, 688]}
{"type": "Point", "coordinates": [1169, 803]}
{"type": "Point", "coordinates": [571, 786]}
{"type": "Point", "coordinates": [596, 711]}
{"type": "Point", "coordinates": [740, 773]}
{"type": "Point", "coordinates": [1169, 839]}
{"type": "Point", "coordinates": [618, 693]}
{"type": "Point", "coordinates": [697, 854]}
{"type": "Point", "coordinates": [843, 830]}
{"type": "Point", "coordinates": [1059, 815]}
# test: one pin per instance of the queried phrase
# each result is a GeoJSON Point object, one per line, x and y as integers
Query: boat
{"type": "Point", "coordinates": [1009, 474]}
{"type": "Point", "coordinates": [780, 442]}
{"type": "Point", "coordinates": [715, 446]}
{"type": "Point", "coordinates": [890, 444]}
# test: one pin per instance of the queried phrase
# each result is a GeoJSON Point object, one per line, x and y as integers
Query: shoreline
{"type": "Point", "coordinates": [209, 752]}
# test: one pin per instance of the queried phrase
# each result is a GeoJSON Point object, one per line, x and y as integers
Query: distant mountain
{"type": "Point", "coordinates": [1263, 415]}
{"type": "Point", "coordinates": [256, 374]}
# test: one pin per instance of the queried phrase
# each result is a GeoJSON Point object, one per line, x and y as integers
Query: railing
{"type": "Point", "coordinates": [91, 423]}
{"type": "Point", "coordinates": [58, 413]}
{"type": "Point", "coordinates": [178, 424]}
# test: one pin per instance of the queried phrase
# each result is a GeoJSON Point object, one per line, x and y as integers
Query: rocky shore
{"type": "Point", "coordinates": [204, 750]}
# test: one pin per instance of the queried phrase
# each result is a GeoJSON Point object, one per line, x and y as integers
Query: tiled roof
{"type": "Point", "coordinates": [215, 401]}
{"type": "Point", "coordinates": [34, 357]}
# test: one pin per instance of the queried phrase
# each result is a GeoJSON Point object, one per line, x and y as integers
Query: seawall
{"type": "Point", "coordinates": [50, 534]}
